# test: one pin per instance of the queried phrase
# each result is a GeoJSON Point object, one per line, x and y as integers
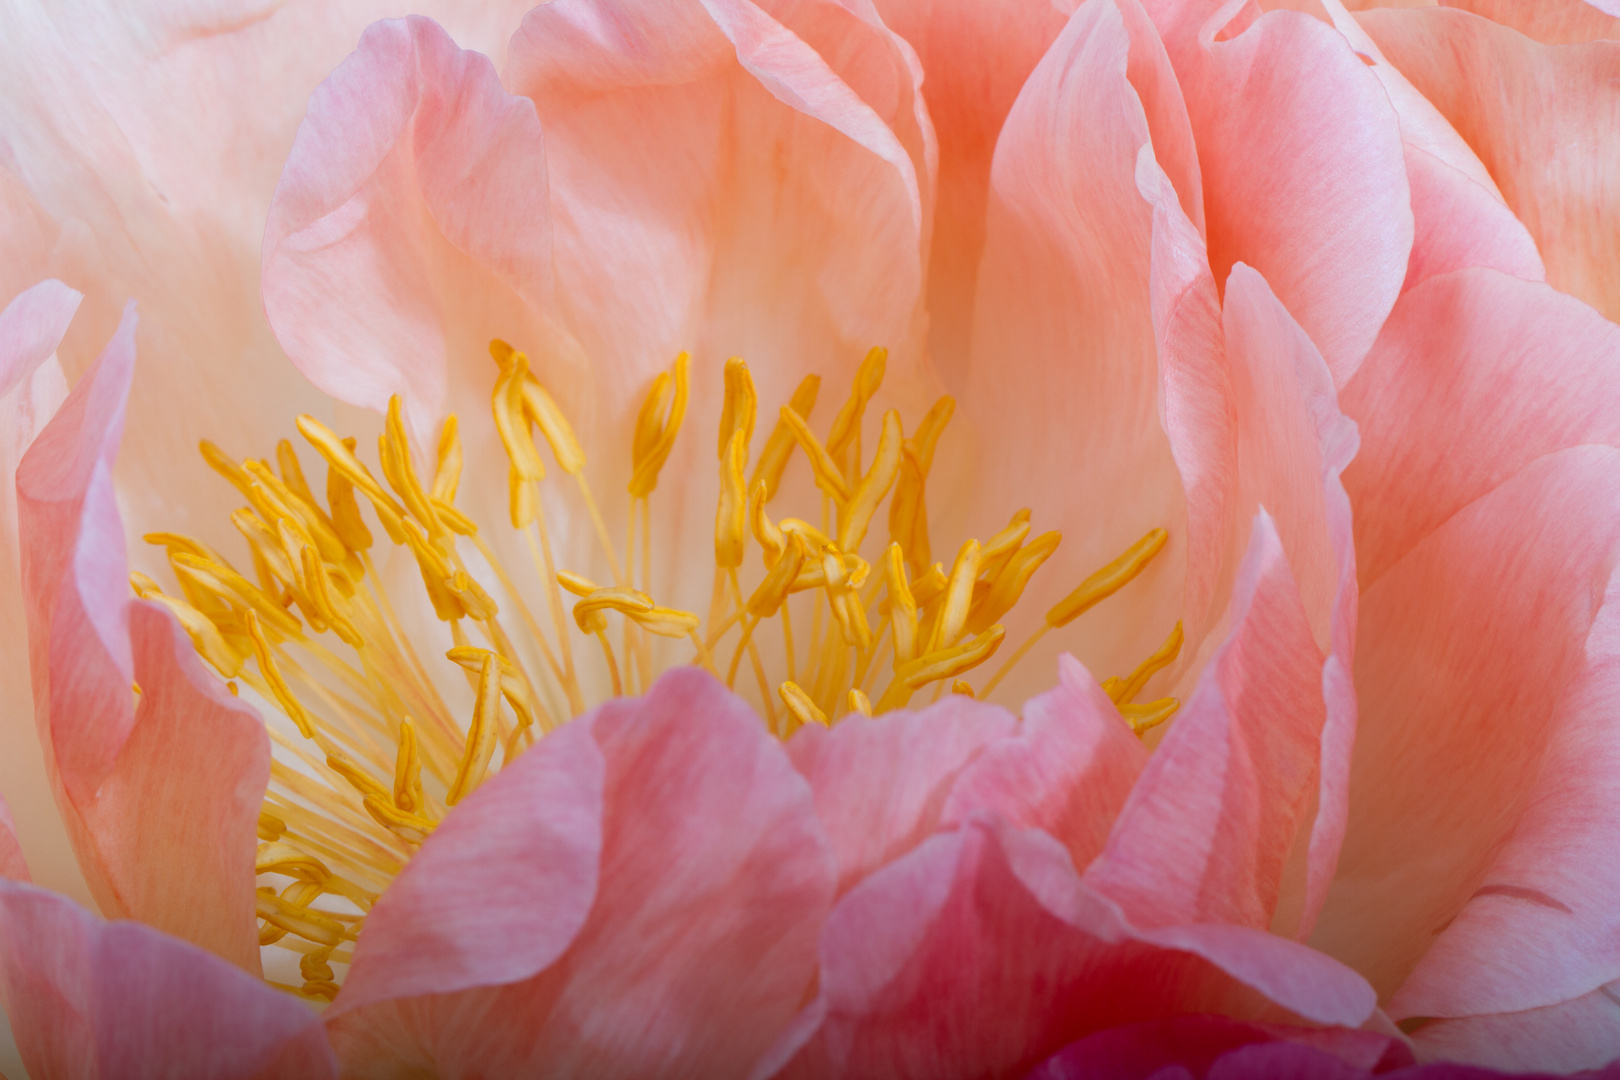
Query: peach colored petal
{"type": "Point", "coordinates": [881, 785]}
{"type": "Point", "coordinates": [1580, 1034]}
{"type": "Point", "coordinates": [12, 864]}
{"type": "Point", "coordinates": [175, 854]}
{"type": "Point", "coordinates": [1303, 172]}
{"type": "Point", "coordinates": [980, 953]}
{"type": "Point", "coordinates": [411, 164]}
{"type": "Point", "coordinates": [1067, 771]}
{"type": "Point", "coordinates": [1064, 384]}
{"type": "Point", "coordinates": [1472, 661]}
{"type": "Point", "coordinates": [1556, 22]}
{"type": "Point", "coordinates": [1528, 110]}
{"type": "Point", "coordinates": [664, 863]}
{"type": "Point", "coordinates": [1475, 375]}
{"type": "Point", "coordinates": [89, 999]}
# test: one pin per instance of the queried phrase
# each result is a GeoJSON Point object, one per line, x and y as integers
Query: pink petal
{"type": "Point", "coordinates": [1067, 771]}
{"type": "Point", "coordinates": [1477, 668]}
{"type": "Point", "coordinates": [1556, 22]}
{"type": "Point", "coordinates": [1528, 110]}
{"type": "Point", "coordinates": [980, 953]}
{"type": "Point", "coordinates": [414, 181]}
{"type": "Point", "coordinates": [1064, 380]}
{"type": "Point", "coordinates": [1303, 172]}
{"type": "Point", "coordinates": [1475, 375]}
{"type": "Point", "coordinates": [12, 864]}
{"type": "Point", "coordinates": [1580, 1034]}
{"type": "Point", "coordinates": [880, 785]}
{"type": "Point", "coordinates": [663, 866]}
{"type": "Point", "coordinates": [178, 856]}
{"type": "Point", "coordinates": [92, 999]}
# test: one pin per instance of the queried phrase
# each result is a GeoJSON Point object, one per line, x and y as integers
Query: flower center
{"type": "Point", "coordinates": [370, 755]}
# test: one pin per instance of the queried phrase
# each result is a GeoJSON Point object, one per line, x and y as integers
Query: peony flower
{"type": "Point", "coordinates": [1017, 678]}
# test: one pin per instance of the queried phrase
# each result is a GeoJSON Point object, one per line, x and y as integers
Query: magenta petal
{"type": "Point", "coordinates": [113, 763]}
{"type": "Point", "coordinates": [411, 164]}
{"type": "Point", "coordinates": [658, 876]}
{"type": "Point", "coordinates": [93, 999]}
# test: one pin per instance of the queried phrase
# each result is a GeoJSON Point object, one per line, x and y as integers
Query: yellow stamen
{"type": "Point", "coordinates": [873, 487]}
{"type": "Point", "coordinates": [1109, 580]}
{"type": "Point", "coordinates": [731, 519]}
{"type": "Point", "coordinates": [859, 702]}
{"type": "Point", "coordinates": [799, 705]}
{"type": "Point", "coordinates": [1123, 690]}
{"type": "Point", "coordinates": [828, 477]}
{"type": "Point", "coordinates": [779, 447]}
{"type": "Point", "coordinates": [943, 664]}
{"type": "Point", "coordinates": [1150, 715]}
{"type": "Point", "coordinates": [962, 687]}
{"type": "Point", "coordinates": [653, 450]}
{"type": "Point", "coordinates": [481, 734]}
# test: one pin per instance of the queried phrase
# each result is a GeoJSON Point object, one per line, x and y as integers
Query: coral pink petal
{"type": "Point", "coordinates": [1064, 380]}
{"type": "Point", "coordinates": [668, 873]}
{"type": "Point", "coordinates": [1557, 22]}
{"type": "Point", "coordinates": [991, 922]}
{"type": "Point", "coordinates": [13, 866]}
{"type": "Point", "coordinates": [1475, 375]}
{"type": "Point", "coordinates": [1528, 110]}
{"type": "Point", "coordinates": [92, 999]}
{"type": "Point", "coordinates": [1304, 177]}
{"type": "Point", "coordinates": [1067, 771]}
{"type": "Point", "coordinates": [413, 174]}
{"type": "Point", "coordinates": [1465, 746]}
{"type": "Point", "coordinates": [880, 785]}
{"type": "Point", "coordinates": [176, 855]}
{"type": "Point", "coordinates": [706, 149]}
{"type": "Point", "coordinates": [1583, 1033]}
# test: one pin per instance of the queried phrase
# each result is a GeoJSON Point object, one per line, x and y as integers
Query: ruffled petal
{"type": "Point", "coordinates": [178, 856]}
{"type": "Point", "coordinates": [1556, 22]}
{"type": "Point", "coordinates": [415, 182]}
{"type": "Point", "coordinates": [1580, 1034]}
{"type": "Point", "coordinates": [981, 953]}
{"type": "Point", "coordinates": [1472, 670]}
{"type": "Point", "coordinates": [1530, 112]}
{"type": "Point", "coordinates": [664, 865]}
{"type": "Point", "coordinates": [1474, 375]}
{"type": "Point", "coordinates": [880, 784]}
{"type": "Point", "coordinates": [92, 999]}
{"type": "Point", "coordinates": [1303, 170]}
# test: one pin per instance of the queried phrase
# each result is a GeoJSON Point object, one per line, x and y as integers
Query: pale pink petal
{"type": "Point", "coordinates": [881, 785]}
{"type": "Point", "coordinates": [176, 855]}
{"type": "Point", "coordinates": [1475, 375]}
{"type": "Point", "coordinates": [1583, 1033]}
{"type": "Point", "coordinates": [1557, 22]}
{"type": "Point", "coordinates": [981, 953]}
{"type": "Point", "coordinates": [1302, 164]}
{"type": "Point", "coordinates": [89, 999]}
{"type": "Point", "coordinates": [12, 864]}
{"type": "Point", "coordinates": [1063, 388]}
{"type": "Point", "coordinates": [1067, 771]}
{"type": "Point", "coordinates": [664, 865]}
{"type": "Point", "coordinates": [1469, 645]}
{"type": "Point", "coordinates": [412, 173]}
{"type": "Point", "coordinates": [1530, 112]}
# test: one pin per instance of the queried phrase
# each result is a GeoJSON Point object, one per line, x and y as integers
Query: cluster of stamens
{"type": "Point", "coordinates": [375, 757]}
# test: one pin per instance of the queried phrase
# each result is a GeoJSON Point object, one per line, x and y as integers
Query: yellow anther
{"type": "Point", "coordinates": [299, 920]}
{"type": "Point", "coordinates": [292, 473]}
{"type": "Point", "coordinates": [944, 664]}
{"type": "Point", "coordinates": [577, 584]}
{"type": "Point", "coordinates": [650, 419]}
{"type": "Point", "coordinates": [854, 518]}
{"type": "Point", "coordinates": [220, 580]}
{"type": "Point", "coordinates": [902, 606]}
{"type": "Point", "coordinates": [221, 463]}
{"type": "Point", "coordinates": [358, 778]}
{"type": "Point", "coordinates": [394, 450]}
{"type": "Point", "coordinates": [477, 603]}
{"type": "Point", "coordinates": [647, 465]}
{"type": "Point", "coordinates": [316, 581]}
{"type": "Point", "coordinates": [554, 426]}
{"type": "Point", "coordinates": [346, 519]}
{"type": "Point", "coordinates": [731, 518]}
{"type": "Point", "coordinates": [339, 453]}
{"type": "Point", "coordinates": [1009, 584]}
{"type": "Point", "coordinates": [408, 771]}
{"type": "Point", "coordinates": [846, 427]}
{"type": "Point", "coordinates": [277, 500]}
{"type": "Point", "coordinates": [270, 826]}
{"type": "Point", "coordinates": [952, 616]}
{"type": "Point", "coordinates": [764, 530]}
{"type": "Point", "coordinates": [205, 636]}
{"type": "Point", "coordinates": [927, 586]}
{"type": "Point", "coordinates": [1150, 714]}
{"type": "Point", "coordinates": [739, 407]}
{"type": "Point", "coordinates": [779, 447]}
{"type": "Point", "coordinates": [272, 677]}
{"type": "Point", "coordinates": [482, 734]}
{"type": "Point", "coordinates": [1000, 548]}
{"type": "Point", "coordinates": [280, 858]}
{"type": "Point", "coordinates": [963, 687]}
{"type": "Point", "coordinates": [829, 478]}
{"type": "Point", "coordinates": [436, 573]}
{"type": "Point", "coordinates": [814, 538]}
{"type": "Point", "coordinates": [859, 702]}
{"type": "Point", "coordinates": [845, 601]}
{"type": "Point", "coordinates": [665, 622]}
{"type": "Point", "coordinates": [779, 581]}
{"type": "Point", "coordinates": [1109, 580]}
{"type": "Point", "coordinates": [908, 511]}
{"type": "Point", "coordinates": [513, 688]}
{"type": "Point", "coordinates": [405, 825]}
{"type": "Point", "coordinates": [454, 519]}
{"type": "Point", "coordinates": [512, 424]}
{"type": "Point", "coordinates": [799, 705]}
{"type": "Point", "coordinates": [520, 499]}
{"type": "Point", "coordinates": [623, 599]}
{"type": "Point", "coordinates": [1123, 690]}
{"type": "Point", "coordinates": [447, 470]}
{"type": "Point", "coordinates": [174, 542]}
